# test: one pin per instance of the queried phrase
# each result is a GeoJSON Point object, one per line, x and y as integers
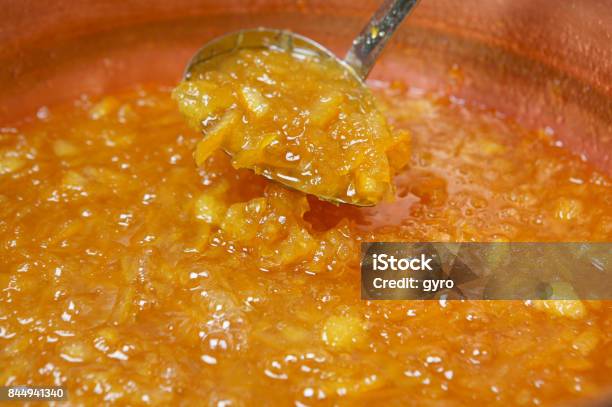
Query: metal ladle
{"type": "Point", "coordinates": [359, 60]}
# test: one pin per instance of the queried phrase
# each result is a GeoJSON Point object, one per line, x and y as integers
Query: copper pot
{"type": "Point", "coordinates": [544, 62]}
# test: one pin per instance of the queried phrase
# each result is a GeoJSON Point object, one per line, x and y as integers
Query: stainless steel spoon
{"type": "Point", "coordinates": [359, 60]}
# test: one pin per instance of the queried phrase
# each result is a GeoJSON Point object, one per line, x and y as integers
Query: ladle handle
{"type": "Point", "coordinates": [372, 39]}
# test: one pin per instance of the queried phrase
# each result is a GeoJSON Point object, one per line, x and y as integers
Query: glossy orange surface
{"type": "Point", "coordinates": [301, 120]}
{"type": "Point", "coordinates": [130, 275]}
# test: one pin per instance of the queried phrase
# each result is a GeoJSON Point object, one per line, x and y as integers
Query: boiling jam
{"type": "Point", "coordinates": [130, 275]}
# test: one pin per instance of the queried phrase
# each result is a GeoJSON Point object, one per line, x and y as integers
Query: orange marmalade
{"type": "Point", "coordinates": [304, 121]}
{"type": "Point", "coordinates": [131, 276]}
